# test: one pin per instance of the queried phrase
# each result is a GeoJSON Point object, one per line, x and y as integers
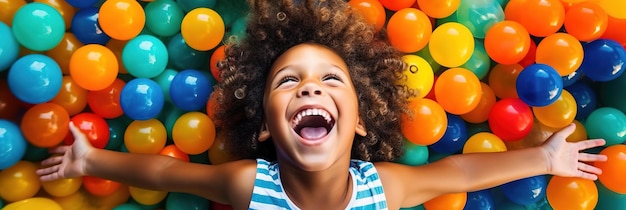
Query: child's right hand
{"type": "Point", "coordinates": [70, 162]}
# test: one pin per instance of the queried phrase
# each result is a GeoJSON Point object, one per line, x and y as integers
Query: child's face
{"type": "Point", "coordinates": [311, 108]}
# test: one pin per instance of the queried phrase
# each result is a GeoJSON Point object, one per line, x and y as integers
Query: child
{"type": "Point", "coordinates": [309, 82]}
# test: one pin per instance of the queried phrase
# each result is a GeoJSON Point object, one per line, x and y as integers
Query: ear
{"type": "Point", "coordinates": [264, 134]}
{"type": "Point", "coordinates": [360, 128]}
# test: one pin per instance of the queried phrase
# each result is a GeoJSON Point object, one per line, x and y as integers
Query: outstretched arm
{"type": "Point", "coordinates": [157, 172]}
{"type": "Point", "coordinates": [472, 172]}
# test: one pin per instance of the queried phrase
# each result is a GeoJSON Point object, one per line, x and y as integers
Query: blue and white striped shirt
{"type": "Point", "coordinates": [268, 191]}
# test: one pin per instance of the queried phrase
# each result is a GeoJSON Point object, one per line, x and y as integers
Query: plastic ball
{"type": "Point", "coordinates": [418, 76]}
{"type": "Point", "coordinates": [86, 27]}
{"type": "Point", "coordinates": [372, 10]}
{"type": "Point", "coordinates": [193, 133]}
{"type": "Point", "coordinates": [525, 191]}
{"type": "Point", "coordinates": [609, 200]}
{"type": "Point", "coordinates": [558, 114]}
{"type": "Point", "coordinates": [165, 81]}
{"type": "Point", "coordinates": [8, 8]}
{"type": "Point", "coordinates": [66, 10]}
{"type": "Point", "coordinates": [145, 56]}
{"type": "Point", "coordinates": [426, 124]}
{"type": "Point", "coordinates": [82, 3]}
{"type": "Point", "coordinates": [202, 29]}
{"type": "Point", "coordinates": [481, 112]}
{"type": "Point", "coordinates": [64, 50]}
{"type": "Point", "coordinates": [181, 201]}
{"type": "Point", "coordinates": [438, 9]}
{"type": "Point", "coordinates": [164, 17]}
{"type": "Point", "coordinates": [572, 193]}
{"type": "Point", "coordinates": [613, 8]}
{"type": "Point", "coordinates": [511, 119]}
{"type": "Point", "coordinates": [12, 144]}
{"type": "Point", "coordinates": [99, 186]}
{"type": "Point", "coordinates": [451, 201]}
{"type": "Point", "coordinates": [71, 97]}
{"type": "Point", "coordinates": [117, 128]}
{"type": "Point", "coordinates": [540, 17]}
{"type": "Point", "coordinates": [19, 182]}
{"type": "Point", "coordinates": [585, 98]}
{"type": "Point", "coordinates": [35, 78]}
{"type": "Point", "coordinates": [586, 21]}
{"type": "Point", "coordinates": [614, 169]}
{"type": "Point", "coordinates": [483, 142]}
{"type": "Point", "coordinates": [93, 67]}
{"type": "Point", "coordinates": [121, 19]}
{"type": "Point", "coordinates": [479, 63]}
{"type": "Point", "coordinates": [188, 5]}
{"type": "Point", "coordinates": [62, 187]}
{"type": "Point", "coordinates": [614, 30]}
{"type": "Point", "coordinates": [458, 91]}
{"type": "Point", "coordinates": [34, 203]}
{"type": "Point", "coordinates": [106, 102]}
{"type": "Point", "coordinates": [146, 197]}
{"type": "Point", "coordinates": [451, 39]}
{"type": "Point", "coordinates": [395, 5]}
{"type": "Point", "coordinates": [38, 26]}
{"type": "Point", "coordinates": [93, 126]}
{"type": "Point", "coordinates": [454, 138]}
{"type": "Point", "coordinates": [409, 30]}
{"type": "Point", "coordinates": [507, 42]}
{"type": "Point", "coordinates": [607, 123]}
{"type": "Point", "coordinates": [217, 56]}
{"type": "Point", "coordinates": [145, 136]}
{"type": "Point", "coordinates": [479, 16]}
{"type": "Point", "coordinates": [603, 60]}
{"type": "Point", "coordinates": [181, 56]}
{"type": "Point", "coordinates": [478, 200]}
{"type": "Point", "coordinates": [413, 155]}
{"type": "Point", "coordinates": [561, 51]}
{"type": "Point", "coordinates": [539, 85]}
{"type": "Point", "coordinates": [45, 125]}
{"type": "Point", "coordinates": [503, 80]}
{"type": "Point", "coordinates": [9, 47]}
{"type": "Point", "coordinates": [190, 90]}
{"type": "Point", "coordinates": [142, 99]}
{"type": "Point", "coordinates": [173, 151]}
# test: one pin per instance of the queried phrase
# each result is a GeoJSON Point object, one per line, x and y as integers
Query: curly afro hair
{"type": "Point", "coordinates": [277, 25]}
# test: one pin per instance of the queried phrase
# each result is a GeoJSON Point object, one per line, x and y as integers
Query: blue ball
{"type": "Point", "coordinates": [86, 29]}
{"type": "Point", "coordinates": [539, 85]}
{"type": "Point", "coordinates": [526, 191]}
{"type": "Point", "coordinates": [479, 200]}
{"type": "Point", "coordinates": [9, 48]}
{"type": "Point", "coordinates": [190, 90]}
{"type": "Point", "coordinates": [82, 3]}
{"type": "Point", "coordinates": [142, 99]}
{"type": "Point", "coordinates": [12, 144]}
{"type": "Point", "coordinates": [585, 97]}
{"type": "Point", "coordinates": [35, 78]}
{"type": "Point", "coordinates": [454, 138]}
{"type": "Point", "coordinates": [604, 60]}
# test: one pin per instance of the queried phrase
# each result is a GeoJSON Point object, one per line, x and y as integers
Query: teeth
{"type": "Point", "coordinates": [311, 112]}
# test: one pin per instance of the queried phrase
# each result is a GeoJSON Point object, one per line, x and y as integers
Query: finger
{"type": "Point", "coordinates": [586, 157]}
{"type": "Point", "coordinates": [75, 131]}
{"type": "Point", "coordinates": [588, 176]}
{"type": "Point", "coordinates": [49, 177]}
{"type": "Point", "coordinates": [52, 161]}
{"type": "Point", "coordinates": [591, 143]}
{"type": "Point", "coordinates": [48, 170]}
{"type": "Point", "coordinates": [566, 131]}
{"type": "Point", "coordinates": [589, 168]}
{"type": "Point", "coordinates": [59, 149]}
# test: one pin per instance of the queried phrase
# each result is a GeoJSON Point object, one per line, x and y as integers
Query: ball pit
{"type": "Point", "coordinates": [487, 75]}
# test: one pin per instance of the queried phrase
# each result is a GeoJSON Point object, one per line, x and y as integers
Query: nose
{"type": "Point", "coordinates": [309, 89]}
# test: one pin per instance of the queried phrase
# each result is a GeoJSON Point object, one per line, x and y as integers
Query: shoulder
{"type": "Point", "coordinates": [242, 176]}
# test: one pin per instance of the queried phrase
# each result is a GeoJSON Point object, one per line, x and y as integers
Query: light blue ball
{"type": "Point", "coordinates": [38, 26]}
{"type": "Point", "coordinates": [145, 56]}
{"type": "Point", "coordinates": [9, 48]}
{"type": "Point", "coordinates": [35, 78]}
{"type": "Point", "coordinates": [12, 144]}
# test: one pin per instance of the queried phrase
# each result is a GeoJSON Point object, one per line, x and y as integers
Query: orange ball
{"type": "Point", "coordinates": [217, 56]}
{"type": "Point", "coordinates": [426, 123]}
{"type": "Point", "coordinates": [117, 46]}
{"type": "Point", "coordinates": [395, 5]}
{"type": "Point", "coordinates": [99, 186]}
{"type": "Point", "coordinates": [145, 136]}
{"type": "Point", "coordinates": [614, 169]}
{"type": "Point", "coordinates": [586, 21]}
{"type": "Point", "coordinates": [409, 30]}
{"type": "Point", "coordinates": [63, 52]}
{"type": "Point", "coordinates": [45, 125]}
{"type": "Point", "coordinates": [481, 112]}
{"type": "Point", "coordinates": [558, 114]}
{"type": "Point", "coordinates": [106, 102]}
{"type": "Point", "coordinates": [72, 97]}
{"type": "Point", "coordinates": [8, 9]}
{"type": "Point", "coordinates": [121, 19]}
{"type": "Point", "coordinates": [372, 10]}
{"type": "Point", "coordinates": [202, 29]}
{"type": "Point", "coordinates": [173, 151]}
{"type": "Point", "coordinates": [540, 17]}
{"type": "Point", "coordinates": [572, 193]}
{"type": "Point", "coordinates": [93, 67]}
{"type": "Point", "coordinates": [503, 80]}
{"type": "Point", "coordinates": [193, 133]}
{"type": "Point", "coordinates": [438, 8]}
{"type": "Point", "coordinates": [561, 51]}
{"type": "Point", "coordinates": [507, 42]}
{"type": "Point", "coordinates": [452, 201]}
{"type": "Point", "coordinates": [458, 91]}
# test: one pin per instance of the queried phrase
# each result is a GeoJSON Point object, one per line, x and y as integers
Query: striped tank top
{"type": "Point", "coordinates": [268, 190]}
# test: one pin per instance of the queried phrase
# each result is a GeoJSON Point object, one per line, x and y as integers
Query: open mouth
{"type": "Point", "coordinates": [312, 123]}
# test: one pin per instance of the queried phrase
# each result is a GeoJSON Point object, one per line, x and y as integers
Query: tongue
{"type": "Point", "coordinates": [313, 132]}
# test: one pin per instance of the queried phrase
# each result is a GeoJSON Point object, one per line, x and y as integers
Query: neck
{"type": "Point", "coordinates": [327, 189]}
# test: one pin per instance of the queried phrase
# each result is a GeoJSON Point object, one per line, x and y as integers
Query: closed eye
{"type": "Point", "coordinates": [286, 79]}
{"type": "Point", "coordinates": [332, 76]}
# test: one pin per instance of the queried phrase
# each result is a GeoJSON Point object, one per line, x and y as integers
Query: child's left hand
{"type": "Point", "coordinates": [566, 159]}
